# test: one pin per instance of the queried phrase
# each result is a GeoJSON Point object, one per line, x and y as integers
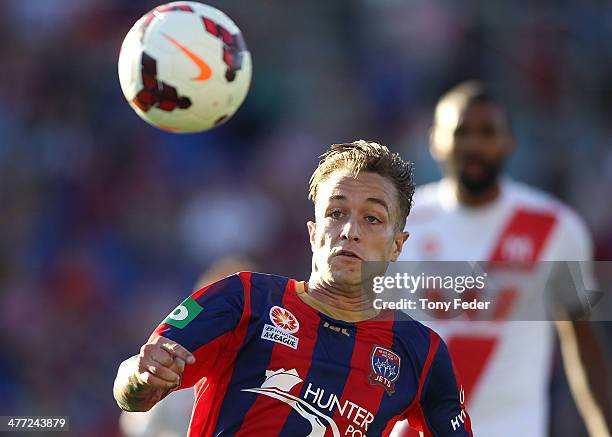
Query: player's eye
{"type": "Point", "coordinates": [372, 219]}
{"type": "Point", "coordinates": [335, 214]}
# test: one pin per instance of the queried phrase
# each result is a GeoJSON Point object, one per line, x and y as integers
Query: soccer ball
{"type": "Point", "coordinates": [184, 67]}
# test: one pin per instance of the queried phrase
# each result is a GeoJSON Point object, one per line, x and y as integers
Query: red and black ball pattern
{"type": "Point", "coordinates": [155, 93]}
{"type": "Point", "coordinates": [233, 47]}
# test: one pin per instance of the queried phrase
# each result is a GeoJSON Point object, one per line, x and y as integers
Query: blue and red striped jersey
{"type": "Point", "coordinates": [268, 364]}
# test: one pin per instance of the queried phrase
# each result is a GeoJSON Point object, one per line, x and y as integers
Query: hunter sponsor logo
{"type": "Point", "coordinates": [358, 418]}
{"type": "Point", "coordinates": [385, 368]}
{"type": "Point", "coordinates": [317, 406]}
{"type": "Point", "coordinates": [284, 324]}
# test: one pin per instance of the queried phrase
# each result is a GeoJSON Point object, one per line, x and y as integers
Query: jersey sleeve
{"type": "Point", "coordinates": [204, 323]}
{"type": "Point", "coordinates": [442, 399]}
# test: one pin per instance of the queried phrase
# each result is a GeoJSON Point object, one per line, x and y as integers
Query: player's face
{"type": "Point", "coordinates": [356, 220]}
{"type": "Point", "coordinates": [473, 142]}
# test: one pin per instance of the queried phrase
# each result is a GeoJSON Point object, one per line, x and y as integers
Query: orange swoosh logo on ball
{"type": "Point", "coordinates": [205, 70]}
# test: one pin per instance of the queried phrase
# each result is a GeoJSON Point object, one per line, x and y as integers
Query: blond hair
{"type": "Point", "coordinates": [367, 156]}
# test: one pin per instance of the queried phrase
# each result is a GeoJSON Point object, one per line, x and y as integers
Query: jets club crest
{"type": "Point", "coordinates": [385, 368]}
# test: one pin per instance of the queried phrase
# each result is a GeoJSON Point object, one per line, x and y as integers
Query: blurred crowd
{"type": "Point", "coordinates": [106, 222]}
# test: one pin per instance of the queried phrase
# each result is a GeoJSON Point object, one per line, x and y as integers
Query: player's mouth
{"type": "Point", "coordinates": [347, 254]}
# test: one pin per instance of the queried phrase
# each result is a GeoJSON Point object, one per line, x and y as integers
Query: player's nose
{"type": "Point", "coordinates": [350, 230]}
{"type": "Point", "coordinates": [470, 143]}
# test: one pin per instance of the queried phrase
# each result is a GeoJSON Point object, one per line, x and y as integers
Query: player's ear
{"type": "Point", "coordinates": [398, 243]}
{"type": "Point", "coordinates": [312, 229]}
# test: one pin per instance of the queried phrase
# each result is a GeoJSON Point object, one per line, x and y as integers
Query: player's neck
{"type": "Point", "coordinates": [338, 304]}
{"type": "Point", "coordinates": [474, 200]}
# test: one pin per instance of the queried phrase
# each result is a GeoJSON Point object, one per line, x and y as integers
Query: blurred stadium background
{"type": "Point", "coordinates": [106, 222]}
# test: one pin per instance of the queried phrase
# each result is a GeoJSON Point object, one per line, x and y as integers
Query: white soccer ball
{"type": "Point", "coordinates": [184, 67]}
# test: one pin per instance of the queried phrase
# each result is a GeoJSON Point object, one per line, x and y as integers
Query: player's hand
{"type": "Point", "coordinates": [161, 362]}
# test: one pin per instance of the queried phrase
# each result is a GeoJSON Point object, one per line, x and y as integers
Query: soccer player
{"type": "Point", "coordinates": [475, 214]}
{"type": "Point", "coordinates": [273, 356]}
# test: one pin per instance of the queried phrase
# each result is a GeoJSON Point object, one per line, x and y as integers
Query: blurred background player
{"type": "Point", "coordinates": [476, 214]}
{"type": "Point", "coordinates": [170, 417]}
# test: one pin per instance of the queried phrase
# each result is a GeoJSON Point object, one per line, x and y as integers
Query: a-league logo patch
{"type": "Point", "coordinates": [284, 319]}
{"type": "Point", "coordinates": [385, 368]}
{"type": "Point", "coordinates": [284, 324]}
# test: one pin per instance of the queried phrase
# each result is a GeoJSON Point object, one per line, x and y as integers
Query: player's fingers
{"type": "Point", "coordinates": [161, 371]}
{"type": "Point", "coordinates": [164, 373]}
{"type": "Point", "coordinates": [154, 352]}
{"type": "Point", "coordinates": [178, 351]}
{"type": "Point", "coordinates": [154, 381]}
{"type": "Point", "coordinates": [163, 357]}
{"type": "Point", "coordinates": [178, 365]}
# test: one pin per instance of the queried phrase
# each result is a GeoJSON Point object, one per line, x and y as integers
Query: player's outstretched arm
{"type": "Point", "coordinates": [191, 328]}
{"type": "Point", "coordinates": [144, 379]}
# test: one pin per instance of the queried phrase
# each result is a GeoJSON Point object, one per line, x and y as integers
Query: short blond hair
{"type": "Point", "coordinates": [367, 156]}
